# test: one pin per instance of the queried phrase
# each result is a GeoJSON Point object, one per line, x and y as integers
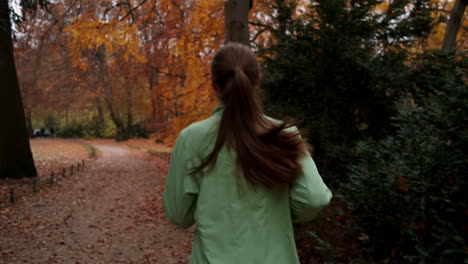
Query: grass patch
{"type": "Point", "coordinates": [152, 151]}
{"type": "Point", "coordinates": [91, 150]}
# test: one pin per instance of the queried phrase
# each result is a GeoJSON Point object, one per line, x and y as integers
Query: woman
{"type": "Point", "coordinates": [241, 176]}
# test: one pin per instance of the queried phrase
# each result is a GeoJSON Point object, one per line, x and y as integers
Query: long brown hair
{"type": "Point", "coordinates": [268, 154]}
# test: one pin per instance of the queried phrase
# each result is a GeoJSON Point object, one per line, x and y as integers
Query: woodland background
{"type": "Point", "coordinates": [380, 86]}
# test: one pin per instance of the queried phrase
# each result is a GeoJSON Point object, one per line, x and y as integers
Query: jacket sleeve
{"type": "Point", "coordinates": [181, 190]}
{"type": "Point", "coordinates": [308, 193]}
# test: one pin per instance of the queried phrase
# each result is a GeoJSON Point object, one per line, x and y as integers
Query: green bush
{"type": "Point", "coordinates": [339, 68]}
{"type": "Point", "coordinates": [98, 129]}
{"type": "Point", "coordinates": [88, 130]}
{"type": "Point", "coordinates": [71, 131]}
{"type": "Point", "coordinates": [94, 128]}
{"type": "Point", "coordinates": [409, 189]}
{"type": "Point", "coordinates": [139, 130]}
{"type": "Point", "coordinates": [109, 130]}
{"type": "Point", "coordinates": [50, 121]}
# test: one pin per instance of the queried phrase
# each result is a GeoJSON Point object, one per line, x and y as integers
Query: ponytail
{"type": "Point", "coordinates": [268, 154]}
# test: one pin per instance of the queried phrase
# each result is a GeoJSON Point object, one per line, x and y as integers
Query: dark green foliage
{"type": "Point", "coordinates": [50, 122]}
{"type": "Point", "coordinates": [409, 189]}
{"type": "Point", "coordinates": [95, 128]}
{"type": "Point", "coordinates": [139, 130]}
{"type": "Point", "coordinates": [92, 128]}
{"type": "Point", "coordinates": [339, 68]}
{"type": "Point", "coordinates": [71, 131]}
{"type": "Point", "coordinates": [433, 70]}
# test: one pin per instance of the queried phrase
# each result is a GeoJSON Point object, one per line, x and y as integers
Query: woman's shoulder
{"type": "Point", "coordinates": [200, 127]}
{"type": "Point", "coordinates": [277, 122]}
{"type": "Point", "coordinates": [200, 132]}
{"type": "Point", "coordinates": [274, 121]}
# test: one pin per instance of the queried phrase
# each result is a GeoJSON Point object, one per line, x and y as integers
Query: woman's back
{"type": "Point", "coordinates": [236, 221]}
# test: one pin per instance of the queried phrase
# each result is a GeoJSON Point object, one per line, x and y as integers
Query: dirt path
{"type": "Point", "coordinates": [110, 213]}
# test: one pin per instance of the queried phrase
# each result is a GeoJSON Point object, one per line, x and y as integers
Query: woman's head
{"type": "Point", "coordinates": [236, 76]}
{"type": "Point", "coordinates": [266, 153]}
{"type": "Point", "coordinates": [234, 64]}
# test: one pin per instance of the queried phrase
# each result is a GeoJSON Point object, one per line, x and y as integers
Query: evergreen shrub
{"type": "Point", "coordinates": [409, 189]}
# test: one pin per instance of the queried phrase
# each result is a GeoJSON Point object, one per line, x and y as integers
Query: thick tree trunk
{"type": "Point", "coordinates": [121, 133]}
{"type": "Point", "coordinates": [236, 27]}
{"type": "Point", "coordinates": [456, 16]}
{"type": "Point", "coordinates": [15, 153]}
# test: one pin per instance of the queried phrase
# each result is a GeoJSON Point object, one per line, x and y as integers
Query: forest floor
{"type": "Point", "coordinates": [110, 213]}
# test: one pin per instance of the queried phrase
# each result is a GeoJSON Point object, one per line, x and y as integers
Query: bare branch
{"type": "Point", "coordinates": [130, 12]}
{"type": "Point", "coordinates": [112, 7]}
{"type": "Point", "coordinates": [268, 27]}
{"type": "Point", "coordinates": [258, 34]}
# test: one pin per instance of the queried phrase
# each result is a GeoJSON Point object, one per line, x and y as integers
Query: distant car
{"type": "Point", "coordinates": [36, 133]}
{"type": "Point", "coordinates": [41, 133]}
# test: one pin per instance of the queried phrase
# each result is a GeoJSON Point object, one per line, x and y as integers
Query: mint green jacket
{"type": "Point", "coordinates": [236, 225]}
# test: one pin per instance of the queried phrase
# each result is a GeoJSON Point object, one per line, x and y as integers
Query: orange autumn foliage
{"type": "Point", "coordinates": [171, 42]}
{"type": "Point", "coordinates": [199, 36]}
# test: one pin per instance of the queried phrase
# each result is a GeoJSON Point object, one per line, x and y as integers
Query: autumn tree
{"type": "Point", "coordinates": [108, 48]}
{"type": "Point", "coordinates": [193, 33]}
{"type": "Point", "coordinates": [129, 61]}
{"type": "Point", "coordinates": [34, 49]}
{"type": "Point", "coordinates": [52, 90]}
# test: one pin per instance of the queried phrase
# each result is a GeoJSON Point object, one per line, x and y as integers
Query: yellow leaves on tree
{"type": "Point", "coordinates": [87, 35]}
{"type": "Point", "coordinates": [200, 36]}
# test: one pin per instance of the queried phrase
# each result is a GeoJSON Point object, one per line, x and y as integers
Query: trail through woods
{"type": "Point", "coordinates": [110, 213]}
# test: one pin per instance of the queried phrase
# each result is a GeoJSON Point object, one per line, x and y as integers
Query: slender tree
{"type": "Point", "coordinates": [450, 38]}
{"type": "Point", "coordinates": [237, 21]}
{"type": "Point", "coordinates": [15, 153]}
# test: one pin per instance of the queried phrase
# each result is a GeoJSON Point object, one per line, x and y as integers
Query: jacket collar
{"type": "Point", "coordinates": [218, 109]}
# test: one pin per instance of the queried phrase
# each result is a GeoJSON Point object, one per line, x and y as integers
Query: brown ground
{"type": "Point", "coordinates": [50, 155]}
{"type": "Point", "coordinates": [110, 213]}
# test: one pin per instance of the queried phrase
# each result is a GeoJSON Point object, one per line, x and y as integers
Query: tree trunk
{"type": "Point", "coordinates": [99, 126]}
{"type": "Point", "coordinates": [450, 38]}
{"type": "Point", "coordinates": [129, 128]}
{"type": "Point", "coordinates": [66, 116]}
{"type": "Point", "coordinates": [236, 27]}
{"type": "Point", "coordinates": [15, 153]}
{"type": "Point", "coordinates": [100, 112]}
{"type": "Point", "coordinates": [153, 81]}
{"type": "Point", "coordinates": [101, 56]}
{"type": "Point", "coordinates": [121, 134]}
